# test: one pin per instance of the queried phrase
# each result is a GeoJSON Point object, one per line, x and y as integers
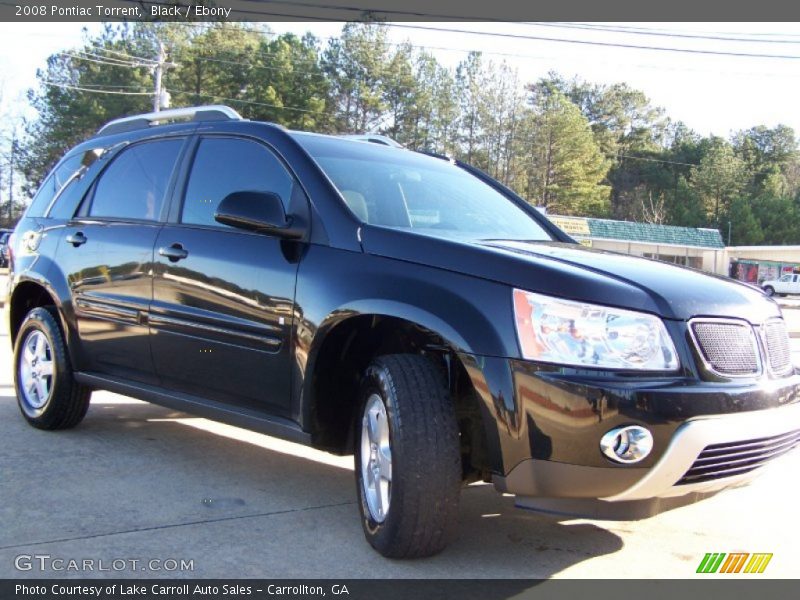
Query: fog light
{"type": "Point", "coordinates": [628, 444]}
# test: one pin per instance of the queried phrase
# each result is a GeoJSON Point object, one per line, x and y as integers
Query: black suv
{"type": "Point", "coordinates": [402, 307]}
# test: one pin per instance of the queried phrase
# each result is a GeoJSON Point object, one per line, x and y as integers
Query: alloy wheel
{"type": "Point", "coordinates": [36, 370]}
{"type": "Point", "coordinates": [376, 458]}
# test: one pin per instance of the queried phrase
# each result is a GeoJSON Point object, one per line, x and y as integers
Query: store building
{"type": "Point", "coordinates": [688, 246]}
{"type": "Point", "coordinates": [755, 264]}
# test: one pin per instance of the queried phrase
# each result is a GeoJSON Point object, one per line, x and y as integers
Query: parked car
{"type": "Point", "coordinates": [404, 308]}
{"type": "Point", "coordinates": [5, 234]}
{"type": "Point", "coordinates": [787, 284]}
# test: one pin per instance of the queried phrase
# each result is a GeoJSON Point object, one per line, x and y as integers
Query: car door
{"type": "Point", "coordinates": [222, 311]}
{"type": "Point", "coordinates": [793, 286]}
{"type": "Point", "coordinates": [783, 284]}
{"type": "Point", "coordinates": [106, 253]}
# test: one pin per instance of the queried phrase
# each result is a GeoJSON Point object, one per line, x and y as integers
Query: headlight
{"type": "Point", "coordinates": [586, 335]}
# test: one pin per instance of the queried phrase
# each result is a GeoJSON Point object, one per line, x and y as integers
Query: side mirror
{"type": "Point", "coordinates": [257, 211]}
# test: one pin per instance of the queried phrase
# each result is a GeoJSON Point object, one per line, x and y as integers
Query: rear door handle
{"type": "Point", "coordinates": [174, 253]}
{"type": "Point", "coordinates": [76, 239]}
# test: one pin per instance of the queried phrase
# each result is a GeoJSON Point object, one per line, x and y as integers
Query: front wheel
{"type": "Point", "coordinates": [407, 459]}
{"type": "Point", "coordinates": [47, 394]}
{"type": "Point", "coordinates": [769, 291]}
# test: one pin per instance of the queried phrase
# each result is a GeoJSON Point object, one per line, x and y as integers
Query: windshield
{"type": "Point", "coordinates": [406, 190]}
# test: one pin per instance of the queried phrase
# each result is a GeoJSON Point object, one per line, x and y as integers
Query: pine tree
{"type": "Point", "coordinates": [565, 167]}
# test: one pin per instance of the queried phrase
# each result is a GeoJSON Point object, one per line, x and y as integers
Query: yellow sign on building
{"type": "Point", "coordinates": [572, 225]}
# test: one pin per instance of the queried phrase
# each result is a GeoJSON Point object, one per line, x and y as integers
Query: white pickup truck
{"type": "Point", "coordinates": [787, 284]}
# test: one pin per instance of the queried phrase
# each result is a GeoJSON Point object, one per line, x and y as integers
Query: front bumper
{"type": "Point", "coordinates": [705, 455]}
{"type": "Point", "coordinates": [710, 453]}
{"type": "Point", "coordinates": [543, 427]}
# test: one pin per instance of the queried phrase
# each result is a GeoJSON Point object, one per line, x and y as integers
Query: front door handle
{"type": "Point", "coordinates": [76, 239]}
{"type": "Point", "coordinates": [174, 253]}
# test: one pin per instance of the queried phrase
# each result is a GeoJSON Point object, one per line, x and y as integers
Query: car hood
{"type": "Point", "coordinates": [577, 273]}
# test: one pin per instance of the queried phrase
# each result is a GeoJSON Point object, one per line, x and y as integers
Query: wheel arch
{"type": "Point", "coordinates": [27, 295]}
{"type": "Point", "coordinates": [349, 339]}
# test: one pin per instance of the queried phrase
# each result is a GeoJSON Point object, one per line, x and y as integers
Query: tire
{"type": "Point", "coordinates": [47, 394]}
{"type": "Point", "coordinates": [769, 291]}
{"type": "Point", "coordinates": [416, 428]}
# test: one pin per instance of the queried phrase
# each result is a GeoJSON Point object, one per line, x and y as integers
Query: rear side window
{"type": "Point", "coordinates": [54, 184]}
{"type": "Point", "coordinates": [223, 166]}
{"type": "Point", "coordinates": [135, 184]}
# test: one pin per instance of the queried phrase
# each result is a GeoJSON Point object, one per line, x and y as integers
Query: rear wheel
{"type": "Point", "coordinates": [47, 394]}
{"type": "Point", "coordinates": [407, 460]}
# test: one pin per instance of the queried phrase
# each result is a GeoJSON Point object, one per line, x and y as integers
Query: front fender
{"type": "Point", "coordinates": [472, 316]}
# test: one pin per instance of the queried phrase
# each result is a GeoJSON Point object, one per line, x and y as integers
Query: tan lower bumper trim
{"type": "Point", "coordinates": [693, 436]}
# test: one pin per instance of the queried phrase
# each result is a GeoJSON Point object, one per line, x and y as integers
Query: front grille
{"type": "Point", "coordinates": [736, 458]}
{"type": "Point", "coordinates": [776, 342]}
{"type": "Point", "coordinates": [729, 348]}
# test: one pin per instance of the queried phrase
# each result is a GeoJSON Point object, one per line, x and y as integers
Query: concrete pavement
{"type": "Point", "coordinates": [138, 482]}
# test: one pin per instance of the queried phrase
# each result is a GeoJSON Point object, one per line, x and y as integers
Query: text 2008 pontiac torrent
{"type": "Point", "coordinates": [402, 307]}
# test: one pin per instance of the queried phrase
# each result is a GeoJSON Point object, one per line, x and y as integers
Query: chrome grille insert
{"type": "Point", "coordinates": [737, 458]}
{"type": "Point", "coordinates": [728, 347]}
{"type": "Point", "coordinates": [776, 344]}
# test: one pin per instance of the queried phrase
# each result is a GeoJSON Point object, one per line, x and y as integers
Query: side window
{"type": "Point", "coordinates": [223, 166]}
{"type": "Point", "coordinates": [135, 183]}
{"type": "Point", "coordinates": [60, 176]}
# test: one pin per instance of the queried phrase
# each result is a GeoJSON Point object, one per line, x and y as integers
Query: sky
{"type": "Point", "coordinates": [712, 94]}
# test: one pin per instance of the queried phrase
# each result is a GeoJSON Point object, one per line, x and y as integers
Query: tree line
{"type": "Point", "coordinates": [572, 146]}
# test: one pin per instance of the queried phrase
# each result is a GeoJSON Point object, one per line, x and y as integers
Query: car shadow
{"type": "Point", "coordinates": [136, 469]}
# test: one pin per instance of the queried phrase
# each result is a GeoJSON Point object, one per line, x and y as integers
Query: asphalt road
{"type": "Point", "coordinates": [138, 482]}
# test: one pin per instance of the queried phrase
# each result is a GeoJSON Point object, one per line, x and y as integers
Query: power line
{"type": "Point", "coordinates": [237, 11]}
{"type": "Point", "coordinates": [132, 60]}
{"type": "Point", "coordinates": [594, 43]}
{"type": "Point", "coordinates": [96, 91]}
{"type": "Point", "coordinates": [99, 62]}
{"type": "Point", "coordinates": [643, 31]}
{"type": "Point", "coordinates": [666, 30]}
{"type": "Point", "coordinates": [105, 85]}
{"type": "Point", "coordinates": [335, 8]}
{"type": "Point", "coordinates": [388, 43]}
{"type": "Point", "coordinates": [514, 55]}
{"type": "Point", "coordinates": [124, 54]}
{"type": "Point", "coordinates": [361, 10]}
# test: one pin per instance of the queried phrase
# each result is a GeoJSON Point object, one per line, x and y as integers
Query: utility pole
{"type": "Point", "coordinates": [160, 95]}
{"type": "Point", "coordinates": [11, 167]}
{"type": "Point", "coordinates": [159, 69]}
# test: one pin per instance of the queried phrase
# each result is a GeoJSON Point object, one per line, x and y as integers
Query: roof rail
{"type": "Point", "coordinates": [215, 112]}
{"type": "Point", "coordinates": [375, 138]}
{"type": "Point", "coordinates": [436, 155]}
